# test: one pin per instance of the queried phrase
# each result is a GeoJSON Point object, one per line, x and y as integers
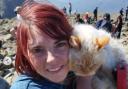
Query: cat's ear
{"type": "Point", "coordinates": [75, 42]}
{"type": "Point", "coordinates": [101, 42]}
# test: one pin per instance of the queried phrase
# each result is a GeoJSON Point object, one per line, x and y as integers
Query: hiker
{"type": "Point", "coordinates": [16, 11]}
{"type": "Point", "coordinates": [95, 12]}
{"type": "Point", "coordinates": [87, 18]}
{"type": "Point", "coordinates": [118, 25]}
{"type": "Point", "coordinates": [14, 28]}
{"type": "Point", "coordinates": [43, 50]}
{"type": "Point", "coordinates": [126, 18]}
{"type": "Point", "coordinates": [0, 16]}
{"type": "Point", "coordinates": [65, 10]}
{"type": "Point", "coordinates": [78, 19]}
{"type": "Point", "coordinates": [105, 23]}
{"type": "Point", "coordinates": [70, 8]}
{"type": "Point", "coordinates": [122, 12]}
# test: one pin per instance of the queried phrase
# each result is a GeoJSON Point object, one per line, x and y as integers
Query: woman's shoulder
{"type": "Point", "coordinates": [22, 82]}
{"type": "Point", "coordinates": [28, 82]}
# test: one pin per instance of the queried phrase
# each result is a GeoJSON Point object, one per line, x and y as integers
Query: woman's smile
{"type": "Point", "coordinates": [56, 69]}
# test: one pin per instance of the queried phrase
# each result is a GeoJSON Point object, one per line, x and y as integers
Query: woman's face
{"type": "Point", "coordinates": [49, 57]}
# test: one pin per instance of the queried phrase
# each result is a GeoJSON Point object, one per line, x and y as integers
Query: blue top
{"type": "Point", "coordinates": [28, 82]}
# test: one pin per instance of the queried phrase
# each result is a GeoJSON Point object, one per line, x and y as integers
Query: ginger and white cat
{"type": "Point", "coordinates": [95, 52]}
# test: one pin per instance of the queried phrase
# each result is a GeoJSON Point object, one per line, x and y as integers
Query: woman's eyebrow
{"type": "Point", "coordinates": [31, 46]}
{"type": "Point", "coordinates": [59, 41]}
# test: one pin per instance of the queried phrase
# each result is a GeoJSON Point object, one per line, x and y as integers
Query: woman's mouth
{"type": "Point", "coordinates": [55, 69]}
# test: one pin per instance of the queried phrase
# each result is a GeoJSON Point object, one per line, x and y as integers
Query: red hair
{"type": "Point", "coordinates": [49, 20]}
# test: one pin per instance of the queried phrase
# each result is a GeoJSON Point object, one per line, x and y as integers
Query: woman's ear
{"type": "Point", "coordinates": [101, 42]}
{"type": "Point", "coordinates": [75, 42]}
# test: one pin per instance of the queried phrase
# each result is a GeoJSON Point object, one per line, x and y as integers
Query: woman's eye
{"type": "Point", "coordinates": [38, 50]}
{"type": "Point", "coordinates": [61, 47]}
{"type": "Point", "coordinates": [63, 44]}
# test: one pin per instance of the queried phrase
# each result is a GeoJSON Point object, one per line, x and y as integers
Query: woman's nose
{"type": "Point", "coordinates": [50, 57]}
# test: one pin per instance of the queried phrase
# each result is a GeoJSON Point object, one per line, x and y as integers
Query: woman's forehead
{"type": "Point", "coordinates": [36, 36]}
{"type": "Point", "coordinates": [36, 33]}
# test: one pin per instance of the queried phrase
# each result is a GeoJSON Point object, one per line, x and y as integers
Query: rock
{"type": "Point", "coordinates": [0, 43]}
{"type": "Point", "coordinates": [13, 32]}
{"type": "Point", "coordinates": [7, 61]}
{"type": "Point", "coordinates": [1, 73]}
{"type": "Point", "coordinates": [9, 46]}
{"type": "Point", "coordinates": [2, 21]}
{"type": "Point", "coordinates": [3, 52]}
{"type": "Point", "coordinates": [5, 37]}
{"type": "Point", "coordinates": [10, 78]}
{"type": "Point", "coordinates": [1, 56]}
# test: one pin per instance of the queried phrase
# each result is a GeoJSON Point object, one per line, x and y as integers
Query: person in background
{"type": "Point", "coordinates": [126, 17]}
{"type": "Point", "coordinates": [87, 18]}
{"type": "Point", "coordinates": [0, 17]}
{"type": "Point", "coordinates": [95, 12]}
{"type": "Point", "coordinates": [122, 11]}
{"type": "Point", "coordinates": [16, 11]}
{"type": "Point", "coordinates": [105, 23]}
{"type": "Point", "coordinates": [42, 53]}
{"type": "Point", "coordinates": [70, 8]}
{"type": "Point", "coordinates": [13, 29]}
{"type": "Point", "coordinates": [78, 19]}
{"type": "Point", "coordinates": [65, 10]}
{"type": "Point", "coordinates": [118, 25]}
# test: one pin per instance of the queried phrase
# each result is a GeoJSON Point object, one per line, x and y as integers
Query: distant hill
{"type": "Point", "coordinates": [7, 7]}
{"type": "Point", "coordinates": [112, 6]}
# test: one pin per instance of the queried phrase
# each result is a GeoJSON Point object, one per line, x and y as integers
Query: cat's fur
{"type": "Point", "coordinates": [95, 52]}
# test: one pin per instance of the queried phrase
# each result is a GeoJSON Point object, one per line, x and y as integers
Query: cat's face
{"type": "Point", "coordinates": [86, 54]}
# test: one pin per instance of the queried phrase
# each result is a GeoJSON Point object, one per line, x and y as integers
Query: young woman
{"type": "Point", "coordinates": [43, 49]}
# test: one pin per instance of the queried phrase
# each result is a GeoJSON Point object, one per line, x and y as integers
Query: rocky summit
{"type": "Point", "coordinates": [8, 49]}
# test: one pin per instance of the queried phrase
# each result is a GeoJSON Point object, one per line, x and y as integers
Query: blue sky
{"type": "Point", "coordinates": [89, 5]}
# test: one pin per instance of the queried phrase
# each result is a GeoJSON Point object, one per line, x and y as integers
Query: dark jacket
{"type": "Point", "coordinates": [104, 24]}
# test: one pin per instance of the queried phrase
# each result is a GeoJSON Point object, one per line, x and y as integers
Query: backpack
{"type": "Point", "coordinates": [122, 82]}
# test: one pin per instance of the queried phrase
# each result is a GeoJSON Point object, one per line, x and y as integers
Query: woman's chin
{"type": "Point", "coordinates": [59, 76]}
